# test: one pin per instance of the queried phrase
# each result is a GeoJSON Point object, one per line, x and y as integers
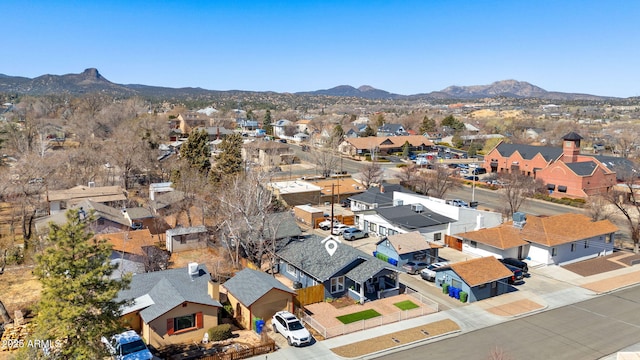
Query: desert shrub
{"type": "Point", "coordinates": [228, 308]}
{"type": "Point", "coordinates": [220, 332]}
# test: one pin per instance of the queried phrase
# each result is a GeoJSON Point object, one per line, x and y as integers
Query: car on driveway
{"type": "Point", "coordinates": [517, 276]}
{"type": "Point", "coordinates": [413, 267]}
{"type": "Point", "coordinates": [429, 272]}
{"type": "Point", "coordinates": [339, 229]}
{"type": "Point", "coordinates": [516, 263]}
{"type": "Point", "coordinates": [127, 346]}
{"type": "Point", "coordinates": [285, 323]}
{"type": "Point", "coordinates": [354, 233]}
{"type": "Point", "coordinates": [326, 225]}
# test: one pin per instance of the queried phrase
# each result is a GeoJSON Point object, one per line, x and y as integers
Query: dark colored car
{"type": "Point", "coordinates": [472, 178]}
{"type": "Point", "coordinates": [517, 276]}
{"type": "Point", "coordinates": [516, 263]}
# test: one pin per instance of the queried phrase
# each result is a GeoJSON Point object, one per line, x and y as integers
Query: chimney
{"type": "Point", "coordinates": [381, 188]}
{"type": "Point", "coordinates": [193, 269]}
{"type": "Point", "coordinates": [213, 289]}
{"type": "Point", "coordinates": [218, 133]}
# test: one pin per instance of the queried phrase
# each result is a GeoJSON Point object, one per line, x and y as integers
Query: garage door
{"type": "Point", "coordinates": [266, 310]}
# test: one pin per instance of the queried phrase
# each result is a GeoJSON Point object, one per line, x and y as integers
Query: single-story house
{"type": "Point", "coordinates": [341, 269]}
{"type": "Point", "coordinates": [107, 218]}
{"type": "Point", "coordinates": [186, 238]}
{"type": "Point", "coordinates": [165, 202]}
{"type": "Point", "coordinates": [558, 239]}
{"type": "Point", "coordinates": [391, 130]}
{"type": "Point", "coordinates": [255, 294]}
{"type": "Point", "coordinates": [383, 144]}
{"type": "Point", "coordinates": [175, 306]}
{"type": "Point", "coordinates": [60, 200]}
{"type": "Point", "coordinates": [399, 249]}
{"type": "Point", "coordinates": [481, 278]}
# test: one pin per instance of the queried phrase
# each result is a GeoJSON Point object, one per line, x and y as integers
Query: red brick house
{"type": "Point", "coordinates": [564, 170]}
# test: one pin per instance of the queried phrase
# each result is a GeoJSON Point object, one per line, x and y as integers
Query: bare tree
{"type": "Point", "coordinates": [326, 161]}
{"type": "Point", "coordinates": [371, 173]}
{"type": "Point", "coordinates": [435, 182]}
{"type": "Point", "coordinates": [408, 175]}
{"type": "Point", "coordinates": [515, 191]}
{"type": "Point", "coordinates": [627, 200]}
{"type": "Point", "coordinates": [598, 208]}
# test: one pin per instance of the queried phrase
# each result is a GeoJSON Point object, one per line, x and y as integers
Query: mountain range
{"type": "Point", "coordinates": [90, 80]}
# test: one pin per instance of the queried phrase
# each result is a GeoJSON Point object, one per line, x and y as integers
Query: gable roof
{"type": "Point", "coordinates": [311, 256]}
{"type": "Point", "coordinates": [250, 285]}
{"type": "Point", "coordinates": [139, 213]}
{"type": "Point", "coordinates": [283, 223]}
{"type": "Point", "coordinates": [385, 142]}
{"type": "Point", "coordinates": [374, 195]}
{"type": "Point", "coordinates": [583, 168]}
{"type": "Point", "coordinates": [104, 211]}
{"type": "Point", "coordinates": [166, 199]}
{"type": "Point", "coordinates": [164, 290]}
{"type": "Point", "coordinates": [548, 231]}
{"type": "Point", "coordinates": [409, 242]}
{"type": "Point", "coordinates": [407, 218]}
{"type": "Point", "coordinates": [480, 271]}
{"type": "Point", "coordinates": [97, 194]}
{"type": "Point", "coordinates": [528, 152]}
{"type": "Point", "coordinates": [131, 242]}
{"type": "Point", "coordinates": [392, 128]}
{"type": "Point", "coordinates": [186, 230]}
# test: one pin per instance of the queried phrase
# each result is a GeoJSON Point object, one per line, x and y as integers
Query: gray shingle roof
{"type": "Point", "coordinates": [167, 199]}
{"type": "Point", "coordinates": [406, 218]}
{"type": "Point", "coordinates": [572, 136]}
{"type": "Point", "coordinates": [139, 213]}
{"type": "Point", "coordinates": [620, 165]}
{"type": "Point", "coordinates": [374, 196]}
{"type": "Point", "coordinates": [311, 257]}
{"type": "Point", "coordinates": [583, 168]}
{"type": "Point", "coordinates": [250, 285]}
{"type": "Point", "coordinates": [168, 289]}
{"type": "Point", "coordinates": [528, 152]}
{"type": "Point", "coordinates": [186, 230]}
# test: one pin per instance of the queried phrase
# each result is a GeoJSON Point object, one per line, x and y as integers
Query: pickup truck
{"type": "Point", "coordinates": [326, 225]}
{"type": "Point", "coordinates": [127, 346]}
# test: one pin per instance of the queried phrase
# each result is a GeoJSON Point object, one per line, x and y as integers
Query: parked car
{"type": "Point", "coordinates": [345, 203]}
{"type": "Point", "coordinates": [516, 263]}
{"type": "Point", "coordinates": [339, 229]}
{"type": "Point", "coordinates": [291, 328]}
{"type": "Point", "coordinates": [479, 171]}
{"type": "Point", "coordinates": [284, 141]}
{"type": "Point", "coordinates": [472, 178]}
{"type": "Point", "coordinates": [517, 276]}
{"type": "Point", "coordinates": [414, 267]}
{"type": "Point", "coordinates": [458, 203]}
{"type": "Point", "coordinates": [326, 225]}
{"type": "Point", "coordinates": [354, 233]}
{"type": "Point", "coordinates": [127, 346]}
{"type": "Point", "coordinates": [429, 272]}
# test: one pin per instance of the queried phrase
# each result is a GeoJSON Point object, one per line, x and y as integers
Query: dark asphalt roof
{"type": "Point", "coordinates": [620, 165]}
{"type": "Point", "coordinates": [250, 285]}
{"type": "Point", "coordinates": [528, 152]}
{"type": "Point", "coordinates": [583, 168]}
{"type": "Point", "coordinates": [409, 219]}
{"type": "Point", "coordinates": [572, 136]}
{"type": "Point", "coordinates": [311, 256]}
{"type": "Point", "coordinates": [374, 196]}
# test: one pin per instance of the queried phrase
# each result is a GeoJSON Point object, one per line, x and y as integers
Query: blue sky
{"type": "Point", "coordinates": [405, 47]}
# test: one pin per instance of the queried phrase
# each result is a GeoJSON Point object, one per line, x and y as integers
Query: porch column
{"type": "Point", "coordinates": [362, 297]}
{"type": "Point", "coordinates": [397, 280]}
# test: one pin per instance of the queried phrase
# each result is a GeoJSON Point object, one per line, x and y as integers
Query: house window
{"type": "Point", "coordinates": [554, 251]}
{"type": "Point", "coordinates": [607, 239]}
{"type": "Point", "coordinates": [337, 284]}
{"type": "Point", "coordinates": [392, 232]}
{"type": "Point", "coordinates": [456, 283]}
{"type": "Point", "coordinates": [437, 236]}
{"type": "Point", "coordinates": [562, 188]}
{"type": "Point", "coordinates": [573, 247]}
{"type": "Point", "coordinates": [291, 269]}
{"type": "Point", "coordinates": [473, 244]}
{"type": "Point", "coordinates": [184, 323]}
{"type": "Point", "coordinates": [372, 227]}
{"type": "Point", "coordinates": [383, 230]}
{"type": "Point", "coordinates": [586, 244]}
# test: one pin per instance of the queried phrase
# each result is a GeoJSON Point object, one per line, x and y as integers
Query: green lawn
{"type": "Point", "coordinates": [406, 305]}
{"type": "Point", "coordinates": [360, 315]}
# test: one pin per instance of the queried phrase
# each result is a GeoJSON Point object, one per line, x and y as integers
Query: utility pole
{"type": "Point", "coordinates": [331, 231]}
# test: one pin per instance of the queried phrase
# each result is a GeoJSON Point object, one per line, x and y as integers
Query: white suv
{"type": "Point", "coordinates": [290, 327]}
{"type": "Point", "coordinates": [326, 225]}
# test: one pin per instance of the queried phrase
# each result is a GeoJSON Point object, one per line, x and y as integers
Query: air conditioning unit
{"type": "Point", "coordinates": [297, 285]}
{"type": "Point", "coordinates": [417, 208]}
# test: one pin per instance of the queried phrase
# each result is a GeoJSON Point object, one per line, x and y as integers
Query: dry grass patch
{"type": "Point", "coordinates": [19, 288]}
{"type": "Point", "coordinates": [397, 338]}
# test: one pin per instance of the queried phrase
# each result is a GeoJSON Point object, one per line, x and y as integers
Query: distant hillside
{"type": "Point", "coordinates": [91, 80]}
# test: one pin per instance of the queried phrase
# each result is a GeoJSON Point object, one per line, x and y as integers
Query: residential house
{"type": "Point", "coordinates": [337, 189]}
{"type": "Point", "coordinates": [481, 278]}
{"type": "Point", "coordinates": [303, 126]}
{"type": "Point", "coordinates": [186, 238]}
{"type": "Point", "coordinates": [558, 239]}
{"type": "Point", "coordinates": [60, 200]}
{"type": "Point", "coordinates": [140, 218]}
{"type": "Point", "coordinates": [216, 132]}
{"type": "Point", "coordinates": [255, 294]}
{"type": "Point", "coordinates": [391, 130]}
{"type": "Point", "coordinates": [266, 153]}
{"type": "Point", "coordinates": [107, 219]}
{"type": "Point", "coordinates": [564, 170]}
{"type": "Point", "coordinates": [166, 202]}
{"type": "Point", "coordinates": [129, 250]}
{"type": "Point", "coordinates": [383, 145]}
{"type": "Point", "coordinates": [175, 306]}
{"type": "Point", "coordinates": [247, 125]}
{"type": "Point", "coordinates": [283, 128]}
{"type": "Point", "coordinates": [300, 137]}
{"type": "Point", "coordinates": [342, 271]}
{"type": "Point", "coordinates": [296, 192]}
{"type": "Point", "coordinates": [399, 249]}
{"type": "Point", "coordinates": [190, 120]}
{"type": "Point", "coordinates": [377, 196]}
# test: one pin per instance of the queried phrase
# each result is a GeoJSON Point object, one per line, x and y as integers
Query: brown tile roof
{"type": "Point", "coordinates": [388, 141]}
{"type": "Point", "coordinates": [410, 242]}
{"type": "Point", "coordinates": [134, 242]}
{"type": "Point", "coordinates": [480, 271]}
{"type": "Point", "coordinates": [548, 231]}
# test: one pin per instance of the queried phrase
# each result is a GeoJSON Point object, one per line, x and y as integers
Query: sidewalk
{"type": "Point", "coordinates": [565, 288]}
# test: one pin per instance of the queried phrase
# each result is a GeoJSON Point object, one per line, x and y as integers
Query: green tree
{"type": "Point", "coordinates": [452, 122]}
{"type": "Point", "coordinates": [229, 161]}
{"type": "Point", "coordinates": [379, 120]}
{"type": "Point", "coordinates": [405, 150]}
{"type": "Point", "coordinates": [337, 134]}
{"type": "Point", "coordinates": [368, 131]}
{"type": "Point", "coordinates": [196, 151]}
{"type": "Point", "coordinates": [266, 123]}
{"type": "Point", "coordinates": [77, 305]}
{"type": "Point", "coordinates": [427, 125]}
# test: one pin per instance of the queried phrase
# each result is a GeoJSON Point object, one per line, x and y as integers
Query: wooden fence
{"type": "Point", "coordinates": [310, 295]}
{"type": "Point", "coordinates": [243, 353]}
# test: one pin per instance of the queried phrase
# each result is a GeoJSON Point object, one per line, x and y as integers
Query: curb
{"type": "Point", "coordinates": [391, 350]}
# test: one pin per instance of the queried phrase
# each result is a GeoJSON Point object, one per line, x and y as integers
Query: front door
{"type": "Point", "coordinates": [494, 288]}
{"type": "Point", "coordinates": [519, 252]}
